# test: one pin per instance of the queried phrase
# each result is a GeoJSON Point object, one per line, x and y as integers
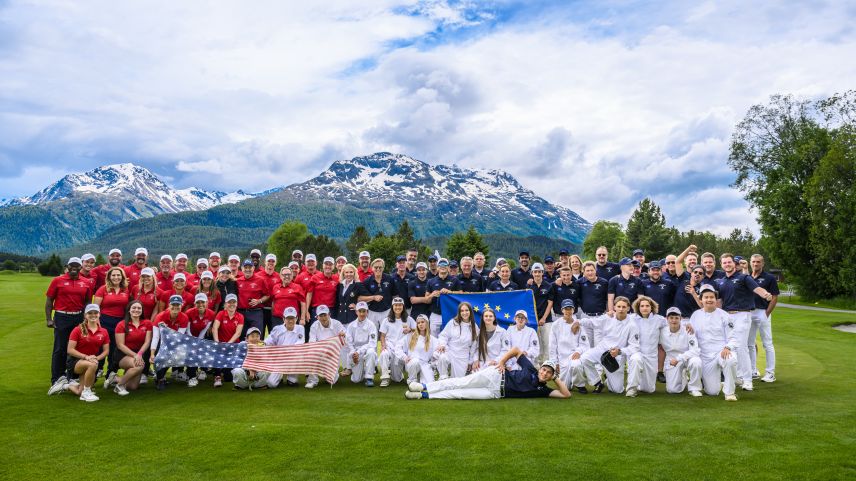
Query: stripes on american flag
{"type": "Point", "coordinates": [320, 358]}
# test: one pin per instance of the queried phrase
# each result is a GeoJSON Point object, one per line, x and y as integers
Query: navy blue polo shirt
{"type": "Point", "coordinates": [662, 291]}
{"type": "Point", "coordinates": [416, 288]}
{"type": "Point", "coordinates": [436, 284]}
{"type": "Point", "coordinates": [432, 275]}
{"type": "Point", "coordinates": [767, 281]}
{"type": "Point", "coordinates": [630, 288]}
{"type": "Point", "coordinates": [736, 292]}
{"type": "Point", "coordinates": [385, 288]}
{"type": "Point", "coordinates": [483, 273]}
{"type": "Point", "coordinates": [552, 276]}
{"type": "Point", "coordinates": [683, 301]}
{"type": "Point", "coordinates": [401, 286]}
{"type": "Point", "coordinates": [608, 270]}
{"type": "Point", "coordinates": [524, 383]}
{"type": "Point", "coordinates": [542, 297]}
{"type": "Point", "coordinates": [593, 295]}
{"type": "Point", "coordinates": [521, 277]}
{"type": "Point", "coordinates": [474, 283]}
{"type": "Point", "coordinates": [717, 274]}
{"type": "Point", "coordinates": [496, 286]}
{"type": "Point", "coordinates": [560, 293]}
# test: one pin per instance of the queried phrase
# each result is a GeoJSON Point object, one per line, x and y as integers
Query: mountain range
{"type": "Point", "coordinates": [127, 206]}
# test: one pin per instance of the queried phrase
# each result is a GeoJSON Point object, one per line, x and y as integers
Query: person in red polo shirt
{"type": "Point", "coordinates": [286, 294]}
{"type": "Point", "coordinates": [253, 292]}
{"type": "Point", "coordinates": [148, 293]}
{"type": "Point", "coordinates": [164, 275]}
{"type": "Point", "coordinates": [208, 287]}
{"type": "Point", "coordinates": [88, 344]}
{"type": "Point", "coordinates": [228, 327]}
{"type": "Point", "coordinates": [113, 298]}
{"type": "Point", "coordinates": [364, 269]}
{"type": "Point", "coordinates": [310, 269]}
{"type": "Point", "coordinates": [133, 338]}
{"type": "Point", "coordinates": [179, 288]}
{"type": "Point", "coordinates": [214, 262]}
{"type": "Point", "coordinates": [114, 259]}
{"type": "Point", "coordinates": [87, 270]}
{"type": "Point", "coordinates": [65, 299]}
{"type": "Point", "coordinates": [201, 266]}
{"type": "Point", "coordinates": [171, 318]}
{"type": "Point", "coordinates": [271, 277]}
{"type": "Point", "coordinates": [201, 320]}
{"type": "Point", "coordinates": [321, 291]}
{"type": "Point", "coordinates": [180, 265]}
{"type": "Point", "coordinates": [133, 271]}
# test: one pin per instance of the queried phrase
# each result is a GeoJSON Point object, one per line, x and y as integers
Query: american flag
{"type": "Point", "coordinates": [178, 350]}
{"type": "Point", "coordinates": [320, 358]}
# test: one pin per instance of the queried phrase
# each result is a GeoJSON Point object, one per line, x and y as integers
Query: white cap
{"type": "Point", "coordinates": [147, 271]}
{"type": "Point", "coordinates": [208, 275]}
{"type": "Point", "coordinates": [114, 251]}
{"type": "Point", "coordinates": [224, 269]}
{"type": "Point", "coordinates": [181, 256]}
{"type": "Point", "coordinates": [290, 312]}
{"type": "Point", "coordinates": [270, 257]}
{"type": "Point", "coordinates": [673, 310]}
{"type": "Point", "coordinates": [86, 257]}
{"type": "Point", "coordinates": [166, 256]}
{"type": "Point", "coordinates": [74, 260]}
{"type": "Point", "coordinates": [234, 257]}
{"type": "Point", "coordinates": [200, 297]}
{"type": "Point", "coordinates": [362, 306]}
{"type": "Point", "coordinates": [297, 251]}
{"type": "Point", "coordinates": [310, 257]}
{"type": "Point", "coordinates": [141, 250]}
{"type": "Point", "coordinates": [293, 263]}
{"type": "Point", "coordinates": [322, 309]}
{"type": "Point", "coordinates": [343, 258]}
{"type": "Point", "coordinates": [254, 330]}
{"type": "Point", "coordinates": [91, 307]}
{"type": "Point", "coordinates": [422, 265]}
{"type": "Point", "coordinates": [202, 260]}
{"type": "Point", "coordinates": [214, 254]}
{"type": "Point", "coordinates": [422, 316]}
{"type": "Point", "coordinates": [397, 300]}
{"type": "Point", "coordinates": [537, 267]}
{"type": "Point", "coordinates": [521, 312]}
{"type": "Point", "coordinates": [330, 260]}
{"type": "Point", "coordinates": [365, 254]}
{"type": "Point", "coordinates": [231, 297]}
{"type": "Point", "coordinates": [179, 276]}
{"type": "Point", "coordinates": [256, 251]}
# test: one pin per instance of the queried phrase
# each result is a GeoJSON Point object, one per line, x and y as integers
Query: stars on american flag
{"type": "Point", "coordinates": [178, 350]}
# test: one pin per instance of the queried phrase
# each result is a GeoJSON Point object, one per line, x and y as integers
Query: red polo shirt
{"type": "Point", "coordinates": [197, 322]}
{"type": "Point", "coordinates": [363, 275]}
{"type": "Point", "coordinates": [148, 299]}
{"type": "Point", "coordinates": [164, 318]}
{"type": "Point", "coordinates": [113, 303]}
{"type": "Point", "coordinates": [69, 295]}
{"type": "Point", "coordinates": [136, 336]}
{"type": "Point", "coordinates": [185, 294]}
{"type": "Point", "coordinates": [253, 288]}
{"type": "Point", "coordinates": [164, 280]}
{"type": "Point", "coordinates": [323, 289]}
{"type": "Point", "coordinates": [133, 273]}
{"type": "Point", "coordinates": [289, 296]}
{"type": "Point", "coordinates": [228, 327]}
{"type": "Point", "coordinates": [91, 343]}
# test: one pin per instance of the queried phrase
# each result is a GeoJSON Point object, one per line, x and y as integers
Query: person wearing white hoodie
{"type": "Point", "coordinates": [457, 346]}
{"type": "Point", "coordinates": [718, 344]}
{"type": "Point", "coordinates": [567, 348]}
{"type": "Point", "coordinates": [682, 356]}
{"type": "Point", "coordinates": [361, 342]}
{"type": "Point", "coordinates": [619, 337]}
{"type": "Point", "coordinates": [416, 349]}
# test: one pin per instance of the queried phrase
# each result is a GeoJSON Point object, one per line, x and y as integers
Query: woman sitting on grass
{"type": "Point", "coordinates": [88, 344]}
{"type": "Point", "coordinates": [133, 337]}
{"type": "Point", "coordinates": [417, 351]}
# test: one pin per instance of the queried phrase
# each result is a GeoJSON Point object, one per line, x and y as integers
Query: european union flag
{"type": "Point", "coordinates": [504, 304]}
{"type": "Point", "coordinates": [179, 350]}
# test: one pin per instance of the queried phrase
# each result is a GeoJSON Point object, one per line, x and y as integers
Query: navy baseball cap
{"type": "Point", "coordinates": [568, 303]}
{"type": "Point", "coordinates": [400, 259]}
{"type": "Point", "coordinates": [638, 252]}
{"type": "Point", "coordinates": [625, 261]}
{"type": "Point", "coordinates": [654, 265]}
{"type": "Point", "coordinates": [248, 262]}
{"type": "Point", "coordinates": [453, 263]}
{"type": "Point", "coordinates": [634, 263]}
{"type": "Point", "coordinates": [549, 259]}
{"type": "Point", "coordinates": [738, 258]}
{"type": "Point", "coordinates": [563, 252]}
{"type": "Point", "coordinates": [432, 257]}
{"type": "Point", "coordinates": [523, 253]}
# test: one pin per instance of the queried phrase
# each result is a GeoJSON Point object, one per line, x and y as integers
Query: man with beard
{"type": "Point", "coordinates": [114, 259]}
{"type": "Point", "coordinates": [605, 269]}
{"type": "Point", "coordinates": [521, 275]}
{"type": "Point", "coordinates": [141, 256]}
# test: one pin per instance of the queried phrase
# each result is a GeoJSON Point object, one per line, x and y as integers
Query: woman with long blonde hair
{"type": "Point", "coordinates": [112, 298]}
{"type": "Point", "coordinates": [416, 349]}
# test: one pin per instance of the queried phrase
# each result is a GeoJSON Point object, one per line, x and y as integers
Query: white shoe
{"type": "Point", "coordinates": [310, 385]}
{"type": "Point", "coordinates": [384, 382]}
{"type": "Point", "coordinates": [747, 386]}
{"type": "Point", "coordinates": [631, 392]}
{"type": "Point", "coordinates": [120, 390]}
{"type": "Point", "coordinates": [769, 377]}
{"type": "Point", "coordinates": [201, 376]}
{"type": "Point", "coordinates": [730, 397]}
{"type": "Point", "coordinates": [192, 382]}
{"type": "Point", "coordinates": [144, 379]}
{"type": "Point", "coordinates": [182, 377]}
{"type": "Point", "coordinates": [695, 393]}
{"type": "Point", "coordinates": [218, 381]}
{"type": "Point", "coordinates": [88, 396]}
{"type": "Point", "coordinates": [738, 381]}
{"type": "Point", "coordinates": [416, 387]}
{"type": "Point", "coordinates": [58, 387]}
{"type": "Point", "coordinates": [756, 374]}
{"type": "Point", "coordinates": [412, 395]}
{"type": "Point", "coordinates": [110, 381]}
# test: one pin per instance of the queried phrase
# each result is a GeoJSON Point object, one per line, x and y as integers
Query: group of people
{"type": "Point", "coordinates": [600, 325]}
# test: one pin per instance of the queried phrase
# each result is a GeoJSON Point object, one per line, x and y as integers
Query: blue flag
{"type": "Point", "coordinates": [504, 304]}
{"type": "Point", "coordinates": [179, 350]}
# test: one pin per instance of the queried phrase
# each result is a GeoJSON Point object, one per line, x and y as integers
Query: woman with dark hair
{"type": "Point", "coordinates": [493, 341]}
{"type": "Point", "coordinates": [226, 284]}
{"type": "Point", "coordinates": [458, 343]}
{"type": "Point", "coordinates": [133, 337]}
{"type": "Point", "coordinates": [171, 318]}
{"type": "Point", "coordinates": [228, 325]}
{"type": "Point", "coordinates": [208, 286]}
{"type": "Point", "coordinates": [112, 298]}
{"type": "Point", "coordinates": [393, 328]}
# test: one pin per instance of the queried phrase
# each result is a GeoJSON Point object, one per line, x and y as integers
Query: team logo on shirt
{"type": "Point", "coordinates": [609, 269]}
{"type": "Point", "coordinates": [505, 342]}
{"type": "Point", "coordinates": [636, 336]}
{"type": "Point", "coordinates": [352, 294]}
{"type": "Point", "coordinates": [692, 342]}
{"type": "Point", "coordinates": [731, 325]}
{"type": "Point", "coordinates": [631, 285]}
{"type": "Point", "coordinates": [535, 342]}
{"type": "Point", "coordinates": [662, 286]}
{"type": "Point", "coordinates": [371, 336]}
{"type": "Point", "coordinates": [597, 286]}
{"type": "Point", "coordinates": [300, 336]}
{"type": "Point", "coordinates": [583, 337]}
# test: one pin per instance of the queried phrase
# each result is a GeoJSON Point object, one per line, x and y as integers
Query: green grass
{"type": "Point", "coordinates": [801, 427]}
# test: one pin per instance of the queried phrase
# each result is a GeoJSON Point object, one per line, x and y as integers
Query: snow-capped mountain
{"type": "Point", "coordinates": [129, 181]}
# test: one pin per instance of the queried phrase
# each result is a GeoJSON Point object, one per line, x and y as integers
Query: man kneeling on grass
{"type": "Point", "coordinates": [496, 382]}
{"type": "Point", "coordinates": [248, 378]}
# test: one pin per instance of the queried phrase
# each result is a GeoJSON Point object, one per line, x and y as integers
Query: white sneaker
{"type": "Point", "coordinates": [416, 386]}
{"type": "Point", "coordinates": [88, 396]}
{"type": "Point", "coordinates": [384, 382]}
{"type": "Point", "coordinates": [631, 392]}
{"type": "Point", "coordinates": [730, 397]}
{"type": "Point", "coordinates": [310, 385]}
{"type": "Point", "coordinates": [218, 381]}
{"type": "Point", "coordinates": [747, 386]}
{"type": "Point", "coordinates": [192, 382]}
{"type": "Point", "coordinates": [182, 377]}
{"type": "Point", "coordinates": [756, 374]}
{"type": "Point", "coordinates": [695, 393]}
{"type": "Point", "coordinates": [412, 395]}
{"type": "Point", "coordinates": [58, 387]}
{"type": "Point", "coordinates": [144, 379]}
{"type": "Point", "coordinates": [110, 381]}
{"type": "Point", "coordinates": [738, 381]}
{"type": "Point", "coordinates": [201, 376]}
{"type": "Point", "coordinates": [769, 377]}
{"type": "Point", "coordinates": [120, 390]}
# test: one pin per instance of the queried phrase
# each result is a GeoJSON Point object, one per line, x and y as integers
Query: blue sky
{"type": "Point", "coordinates": [593, 105]}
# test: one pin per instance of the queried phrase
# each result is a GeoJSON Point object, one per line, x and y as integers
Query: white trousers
{"type": "Point", "coordinates": [276, 377]}
{"type": "Point", "coordinates": [761, 323]}
{"type": "Point", "coordinates": [378, 317]}
{"type": "Point", "coordinates": [544, 342]}
{"type": "Point", "coordinates": [241, 380]}
{"type": "Point", "coordinates": [313, 378]}
{"type": "Point", "coordinates": [418, 371]}
{"type": "Point", "coordinates": [435, 322]}
{"type": "Point", "coordinates": [364, 368]}
{"type": "Point", "coordinates": [676, 376]}
{"type": "Point", "coordinates": [449, 365]}
{"type": "Point", "coordinates": [590, 331]}
{"type": "Point", "coordinates": [614, 380]}
{"type": "Point", "coordinates": [642, 372]}
{"type": "Point", "coordinates": [391, 366]}
{"type": "Point", "coordinates": [741, 321]}
{"type": "Point", "coordinates": [713, 371]}
{"type": "Point", "coordinates": [483, 384]}
{"type": "Point", "coordinates": [572, 373]}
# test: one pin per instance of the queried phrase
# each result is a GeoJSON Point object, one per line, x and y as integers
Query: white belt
{"type": "Point", "coordinates": [67, 313]}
